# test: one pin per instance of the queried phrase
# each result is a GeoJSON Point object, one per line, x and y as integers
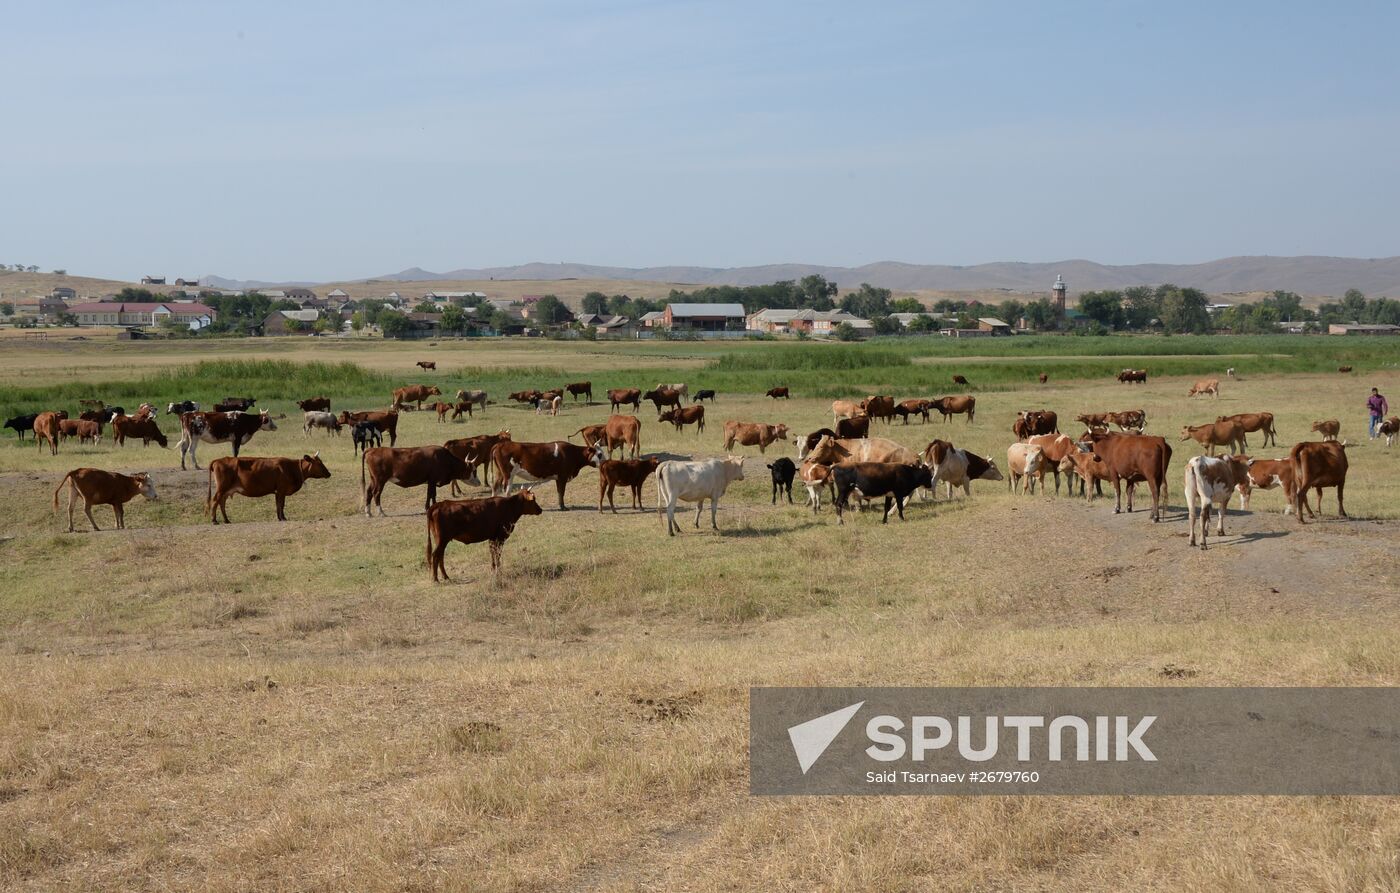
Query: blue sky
{"type": "Point", "coordinates": [343, 140]}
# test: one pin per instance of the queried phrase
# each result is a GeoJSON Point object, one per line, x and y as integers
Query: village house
{"type": "Point", "coordinates": [704, 317]}
{"type": "Point", "coordinates": [770, 320]}
{"type": "Point", "coordinates": [152, 280]}
{"type": "Point", "coordinates": [1353, 329]}
{"type": "Point", "coordinates": [63, 292]}
{"type": "Point", "coordinates": [823, 322]}
{"type": "Point", "coordinates": [290, 322]}
{"type": "Point", "coordinates": [125, 313]}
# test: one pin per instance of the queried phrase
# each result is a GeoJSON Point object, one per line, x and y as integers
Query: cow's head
{"type": "Point", "coordinates": [992, 473]}
{"type": "Point", "coordinates": [733, 468]}
{"type": "Point", "coordinates": [668, 416]}
{"type": "Point", "coordinates": [596, 453]}
{"type": "Point", "coordinates": [827, 451]}
{"type": "Point", "coordinates": [313, 467]}
{"type": "Point", "coordinates": [433, 389]}
{"type": "Point", "coordinates": [528, 504]}
{"type": "Point", "coordinates": [265, 422]}
{"type": "Point", "coordinates": [147, 486]}
{"type": "Point", "coordinates": [780, 432]}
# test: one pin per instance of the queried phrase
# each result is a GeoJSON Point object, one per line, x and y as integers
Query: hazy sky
{"type": "Point", "coordinates": [343, 140]}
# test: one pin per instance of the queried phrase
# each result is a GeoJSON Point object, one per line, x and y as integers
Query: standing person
{"type": "Point", "coordinates": [1378, 408]}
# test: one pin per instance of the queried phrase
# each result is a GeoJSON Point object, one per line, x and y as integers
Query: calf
{"type": "Point", "coordinates": [559, 461]}
{"type": "Point", "coordinates": [1329, 429]}
{"type": "Point", "coordinates": [1129, 419]}
{"type": "Point", "coordinates": [490, 520]}
{"type": "Point", "coordinates": [705, 394]}
{"type": "Point", "coordinates": [549, 403]}
{"type": "Point", "coordinates": [752, 434]}
{"type": "Point", "coordinates": [322, 420]}
{"type": "Point", "coordinates": [1024, 464]}
{"type": "Point", "coordinates": [1223, 433]}
{"type": "Point", "coordinates": [957, 468]}
{"type": "Point", "coordinates": [442, 409]}
{"type": "Point", "coordinates": [620, 397]}
{"type": "Point", "coordinates": [1054, 448]}
{"type": "Point", "coordinates": [816, 476]}
{"type": "Point", "coordinates": [82, 429]}
{"type": "Point", "coordinates": [99, 487]}
{"type": "Point", "coordinates": [476, 452]}
{"type": "Point", "coordinates": [315, 404]}
{"type": "Point", "coordinates": [691, 415]}
{"type": "Point", "coordinates": [460, 407]}
{"type": "Point", "coordinates": [407, 467]}
{"type": "Point", "coordinates": [777, 393]}
{"type": "Point", "coordinates": [1209, 483]}
{"type": "Point", "coordinates": [893, 480]}
{"type": "Point", "coordinates": [22, 423]}
{"type": "Point", "coordinates": [385, 422]}
{"type": "Point", "coordinates": [630, 473]}
{"type": "Point", "coordinates": [695, 482]}
{"type": "Point", "coordinates": [783, 471]}
{"type": "Point", "coordinates": [1318, 465]}
{"type": "Point", "coordinates": [1266, 474]}
{"type": "Point", "coordinates": [146, 429]}
{"type": "Point", "coordinates": [255, 477]}
{"type": "Point", "coordinates": [364, 435]}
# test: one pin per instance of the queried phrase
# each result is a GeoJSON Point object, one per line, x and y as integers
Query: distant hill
{"type": "Point", "coordinates": [1305, 275]}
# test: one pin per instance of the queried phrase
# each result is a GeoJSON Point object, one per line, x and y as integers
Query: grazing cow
{"type": "Point", "coordinates": [1088, 467]}
{"type": "Point", "coordinates": [415, 394]}
{"type": "Point", "coordinates": [1266, 474]}
{"type": "Point", "coordinates": [490, 520]}
{"type": "Point", "coordinates": [623, 432]}
{"type": "Point", "coordinates": [460, 407]}
{"type": "Point", "coordinates": [255, 477]}
{"type": "Point", "coordinates": [531, 396]}
{"type": "Point", "coordinates": [236, 404]}
{"type": "Point", "coordinates": [386, 422]}
{"type": "Point", "coordinates": [845, 409]}
{"type": "Point", "coordinates": [1329, 429]}
{"type": "Point", "coordinates": [1036, 421]}
{"type": "Point", "coordinates": [782, 471]}
{"type": "Point", "coordinates": [82, 429]}
{"type": "Point", "coordinates": [1343, 369]}
{"type": "Point", "coordinates": [893, 480]}
{"type": "Point", "coordinates": [752, 434]}
{"type": "Point", "coordinates": [1054, 448]}
{"type": "Point", "coordinates": [315, 404]}
{"type": "Point", "coordinates": [236, 428]}
{"type": "Point", "coordinates": [434, 466]}
{"type": "Point", "coordinates": [620, 397]}
{"type": "Point", "coordinates": [1133, 459]}
{"type": "Point", "coordinates": [98, 487]}
{"type": "Point", "coordinates": [580, 389]}
{"type": "Point", "coordinates": [960, 379]}
{"type": "Point", "coordinates": [476, 452]}
{"type": "Point", "coordinates": [1318, 465]}
{"type": "Point", "coordinates": [630, 473]}
{"type": "Point", "coordinates": [916, 406]}
{"type": "Point", "coordinates": [1254, 421]}
{"type": "Point", "coordinates": [1093, 419]}
{"type": "Point", "coordinates": [426, 365]}
{"type": "Point", "coordinates": [364, 435]}
{"type": "Point", "coordinates": [691, 415]}
{"type": "Point", "coordinates": [1024, 462]}
{"type": "Point", "coordinates": [442, 409]}
{"type": "Point", "coordinates": [951, 406]}
{"type": "Point", "coordinates": [831, 451]}
{"type": "Point", "coordinates": [1129, 419]}
{"type": "Point", "coordinates": [474, 397]}
{"type": "Point", "coordinates": [1133, 376]}
{"type": "Point", "coordinates": [1209, 483]}
{"type": "Point", "coordinates": [46, 429]}
{"type": "Point", "coordinates": [22, 423]}
{"type": "Point", "coordinates": [859, 426]}
{"type": "Point", "coordinates": [1223, 433]}
{"type": "Point", "coordinates": [1388, 429]}
{"type": "Point", "coordinates": [695, 482]}
{"type": "Point", "coordinates": [814, 477]}
{"type": "Point", "coordinates": [181, 407]}
{"type": "Point", "coordinates": [663, 397]}
{"type": "Point", "coordinates": [1205, 386]}
{"type": "Point", "coordinates": [550, 403]}
{"type": "Point", "coordinates": [878, 407]}
{"type": "Point", "coordinates": [805, 443]}
{"type": "Point", "coordinates": [317, 419]}
{"type": "Point", "coordinates": [679, 387]}
{"type": "Point", "coordinates": [705, 394]}
{"type": "Point", "coordinates": [146, 429]}
{"type": "Point", "coordinates": [559, 461]}
{"type": "Point", "coordinates": [1044, 378]}
{"type": "Point", "coordinates": [775, 393]}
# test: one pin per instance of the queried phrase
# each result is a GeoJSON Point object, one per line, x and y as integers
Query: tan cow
{"type": "Point", "coordinates": [752, 434]}
{"type": "Point", "coordinates": [831, 451]}
{"type": "Point", "coordinates": [414, 393]}
{"type": "Point", "coordinates": [1054, 448]}
{"type": "Point", "coordinates": [1318, 465]}
{"type": "Point", "coordinates": [844, 409]}
{"type": "Point", "coordinates": [1205, 386]}
{"type": "Point", "coordinates": [1254, 421]}
{"type": "Point", "coordinates": [623, 432]}
{"type": "Point", "coordinates": [46, 429]}
{"type": "Point", "coordinates": [1329, 429]}
{"type": "Point", "coordinates": [1225, 433]}
{"type": "Point", "coordinates": [951, 406]}
{"type": "Point", "coordinates": [99, 487]}
{"type": "Point", "coordinates": [1024, 463]}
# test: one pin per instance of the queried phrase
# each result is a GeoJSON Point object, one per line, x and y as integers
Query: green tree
{"type": "Point", "coordinates": [7, 309]}
{"type": "Point", "coordinates": [454, 319]}
{"type": "Point", "coordinates": [845, 332]}
{"type": "Point", "coordinates": [393, 324]}
{"type": "Point", "coordinates": [1142, 305]}
{"type": "Point", "coordinates": [595, 302]}
{"type": "Point", "coordinates": [357, 321]}
{"type": "Point", "coordinates": [906, 305]}
{"type": "Point", "coordinates": [426, 307]}
{"type": "Point", "coordinates": [1040, 314]}
{"type": "Point", "coordinates": [816, 292]}
{"type": "Point", "coordinates": [1184, 310]}
{"type": "Point", "coordinates": [886, 325]}
{"type": "Point", "coordinates": [1010, 311]}
{"type": "Point", "coordinates": [923, 323]}
{"type": "Point", "coordinates": [1103, 307]}
{"type": "Point", "coordinates": [550, 311]}
{"type": "Point", "coordinates": [1354, 305]}
{"type": "Point", "coordinates": [867, 302]}
{"type": "Point", "coordinates": [501, 321]}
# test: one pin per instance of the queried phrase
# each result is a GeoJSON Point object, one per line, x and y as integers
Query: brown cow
{"type": "Point", "coordinates": [1329, 429]}
{"type": "Point", "coordinates": [1266, 474]}
{"type": "Point", "coordinates": [559, 461]}
{"type": "Point", "coordinates": [1093, 419]}
{"type": "Point", "coordinates": [255, 477]}
{"type": "Point", "coordinates": [591, 433]}
{"type": "Point", "coordinates": [409, 467]}
{"type": "Point", "coordinates": [426, 365]}
{"type": "Point", "coordinates": [691, 415]}
{"type": "Point", "coordinates": [623, 432]}
{"type": "Point", "coordinates": [146, 429]}
{"type": "Point", "coordinates": [315, 404]}
{"type": "Point", "coordinates": [916, 406]}
{"type": "Point", "coordinates": [1134, 459]}
{"type": "Point", "coordinates": [627, 473]}
{"type": "Point", "coordinates": [878, 407]}
{"type": "Point", "coordinates": [856, 426]}
{"type": "Point", "coordinates": [752, 434]}
{"type": "Point", "coordinates": [442, 409]}
{"type": "Point", "coordinates": [81, 429]}
{"type": "Point", "coordinates": [1129, 419]}
{"type": "Point", "coordinates": [1318, 465]}
{"type": "Point", "coordinates": [46, 429]}
{"type": "Point", "coordinates": [490, 520]}
{"type": "Point", "coordinates": [235, 404]}
{"type": "Point", "coordinates": [1224, 433]}
{"type": "Point", "coordinates": [1205, 386]}
{"type": "Point", "coordinates": [387, 422]}
{"type": "Point", "coordinates": [476, 451]}
{"type": "Point", "coordinates": [580, 389]}
{"type": "Point", "coordinates": [1036, 421]}
{"type": "Point", "coordinates": [960, 379]}
{"type": "Point", "coordinates": [1055, 448]}
{"type": "Point", "coordinates": [414, 393]}
{"type": "Point", "coordinates": [1044, 378]}
{"type": "Point", "coordinates": [460, 407]}
{"type": "Point", "coordinates": [663, 397]}
{"type": "Point", "coordinates": [99, 487]}
{"type": "Point", "coordinates": [1344, 369]}
{"type": "Point", "coordinates": [1133, 376]}
{"type": "Point", "coordinates": [951, 406]}
{"type": "Point", "coordinates": [530, 396]}
{"type": "Point", "coordinates": [620, 397]}
{"type": "Point", "coordinates": [775, 393]}
{"type": "Point", "coordinates": [1254, 421]}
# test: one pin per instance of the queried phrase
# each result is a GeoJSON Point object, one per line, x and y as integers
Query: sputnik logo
{"type": "Point", "coordinates": [810, 739]}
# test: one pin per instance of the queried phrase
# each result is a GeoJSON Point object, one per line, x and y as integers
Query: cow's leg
{"type": "Point", "coordinates": [1220, 522]}
{"type": "Point", "coordinates": [119, 512]}
{"type": "Point", "coordinates": [560, 483]}
{"type": "Point", "coordinates": [889, 504]}
{"type": "Point", "coordinates": [87, 510]}
{"type": "Point", "coordinates": [699, 509]}
{"type": "Point", "coordinates": [496, 546]}
{"type": "Point", "coordinates": [1117, 495]}
{"type": "Point", "coordinates": [1341, 510]}
{"type": "Point", "coordinates": [72, 498]}
{"type": "Point", "coordinates": [432, 495]}
{"type": "Point", "coordinates": [281, 506]}
{"type": "Point", "coordinates": [637, 497]}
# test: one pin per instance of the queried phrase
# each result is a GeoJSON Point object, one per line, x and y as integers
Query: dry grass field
{"type": "Point", "coordinates": [269, 706]}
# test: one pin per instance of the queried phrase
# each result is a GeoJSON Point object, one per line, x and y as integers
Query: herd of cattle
{"type": "Point", "coordinates": [844, 461]}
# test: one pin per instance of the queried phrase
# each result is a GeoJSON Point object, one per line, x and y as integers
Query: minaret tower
{"type": "Point", "coordinates": [1060, 289]}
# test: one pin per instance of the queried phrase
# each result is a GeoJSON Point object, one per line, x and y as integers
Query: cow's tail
{"type": "Point", "coordinates": [66, 479]}
{"type": "Point", "coordinates": [660, 494]}
{"type": "Point", "coordinates": [209, 493]}
{"type": "Point", "coordinates": [430, 544]}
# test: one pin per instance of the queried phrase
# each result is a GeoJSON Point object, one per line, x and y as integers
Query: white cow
{"type": "Point", "coordinates": [315, 419]}
{"type": "Point", "coordinates": [679, 387]}
{"type": "Point", "coordinates": [958, 468]}
{"type": "Point", "coordinates": [695, 482]}
{"type": "Point", "coordinates": [1210, 481]}
{"type": "Point", "coordinates": [549, 404]}
{"type": "Point", "coordinates": [477, 398]}
{"type": "Point", "coordinates": [1024, 461]}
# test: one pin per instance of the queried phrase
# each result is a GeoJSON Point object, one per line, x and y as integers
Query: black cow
{"type": "Point", "coordinates": [704, 395]}
{"type": "Point", "coordinates": [856, 427]}
{"type": "Point", "coordinates": [22, 423]}
{"type": "Point", "coordinates": [365, 434]}
{"type": "Point", "coordinates": [783, 472]}
{"type": "Point", "coordinates": [892, 480]}
{"type": "Point", "coordinates": [182, 407]}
